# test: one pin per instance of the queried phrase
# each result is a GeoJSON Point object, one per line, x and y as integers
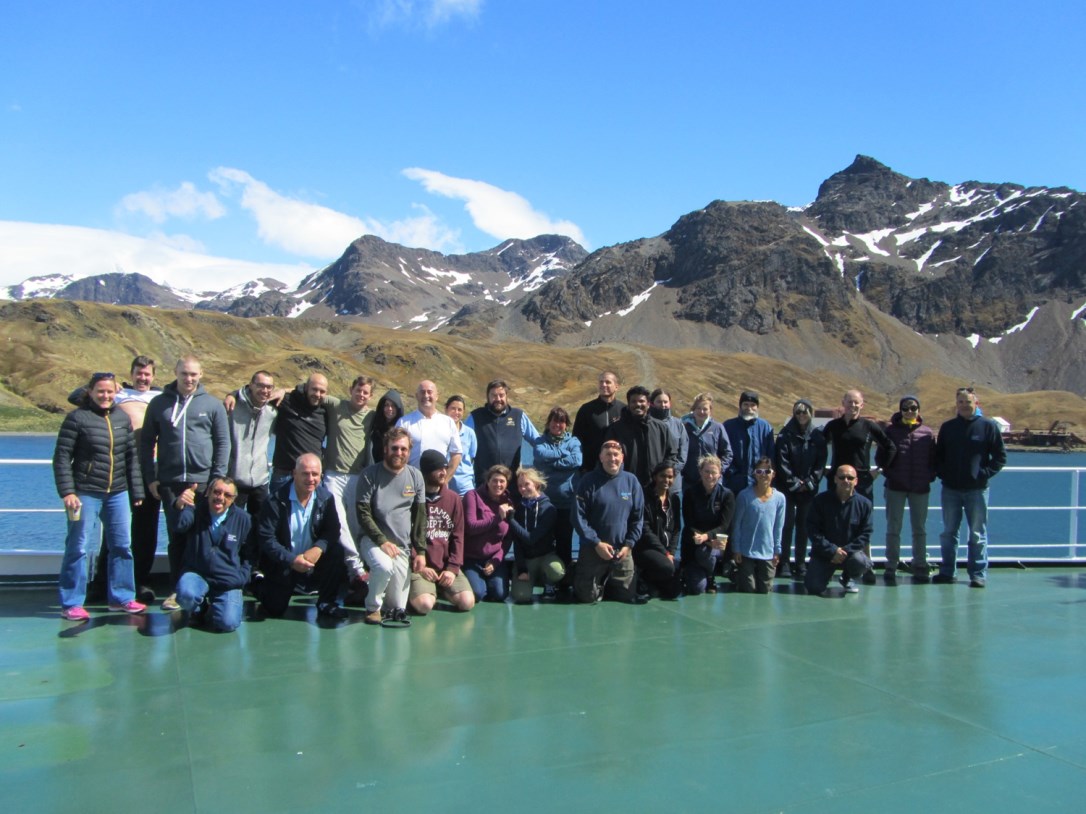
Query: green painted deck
{"type": "Point", "coordinates": [899, 699]}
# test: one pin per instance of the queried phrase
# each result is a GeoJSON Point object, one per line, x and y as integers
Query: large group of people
{"type": "Point", "coordinates": [281, 492]}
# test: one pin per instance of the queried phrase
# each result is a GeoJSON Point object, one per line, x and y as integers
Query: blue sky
{"type": "Point", "coordinates": [208, 143]}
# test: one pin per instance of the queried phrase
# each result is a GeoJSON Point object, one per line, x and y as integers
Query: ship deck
{"type": "Point", "coordinates": [897, 699]}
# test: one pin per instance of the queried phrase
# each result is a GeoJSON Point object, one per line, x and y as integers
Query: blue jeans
{"type": "Point", "coordinates": [224, 607]}
{"type": "Point", "coordinates": [973, 503]}
{"type": "Point", "coordinates": [116, 517]}
{"type": "Point", "coordinates": [487, 589]}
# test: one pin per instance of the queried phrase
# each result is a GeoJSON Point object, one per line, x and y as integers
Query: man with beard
{"type": "Point", "coordinates": [437, 571]}
{"type": "Point", "coordinates": [500, 429]}
{"type": "Point", "coordinates": [190, 430]}
{"type": "Point", "coordinates": [594, 417]}
{"type": "Point", "coordinates": [392, 515]}
{"type": "Point", "coordinates": [750, 438]}
{"type": "Point", "coordinates": [646, 441]}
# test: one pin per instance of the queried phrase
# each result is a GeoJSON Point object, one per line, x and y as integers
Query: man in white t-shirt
{"type": "Point", "coordinates": [431, 429]}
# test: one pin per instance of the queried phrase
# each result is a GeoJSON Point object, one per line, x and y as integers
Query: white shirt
{"type": "Point", "coordinates": [436, 432]}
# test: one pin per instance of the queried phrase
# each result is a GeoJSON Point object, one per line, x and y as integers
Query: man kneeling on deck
{"type": "Point", "coordinates": [217, 562]}
{"type": "Point", "coordinates": [438, 570]}
{"type": "Point", "coordinates": [608, 516]}
{"type": "Point", "coordinates": [839, 529]}
{"type": "Point", "coordinates": [298, 534]}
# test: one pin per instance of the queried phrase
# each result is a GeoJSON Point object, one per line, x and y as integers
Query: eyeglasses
{"type": "Point", "coordinates": [223, 494]}
{"type": "Point", "coordinates": [910, 408]}
{"type": "Point", "coordinates": [763, 471]}
{"type": "Point", "coordinates": [846, 477]}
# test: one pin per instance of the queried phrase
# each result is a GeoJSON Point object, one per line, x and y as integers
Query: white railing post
{"type": "Point", "coordinates": [1074, 513]}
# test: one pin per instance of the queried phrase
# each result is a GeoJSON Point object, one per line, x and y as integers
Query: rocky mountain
{"type": "Point", "coordinates": [388, 284]}
{"type": "Point", "coordinates": [881, 278]}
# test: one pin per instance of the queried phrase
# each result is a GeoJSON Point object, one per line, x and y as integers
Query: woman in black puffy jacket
{"type": "Point", "coordinates": [95, 464]}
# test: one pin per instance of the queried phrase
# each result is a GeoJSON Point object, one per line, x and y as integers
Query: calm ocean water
{"type": "Point", "coordinates": [31, 486]}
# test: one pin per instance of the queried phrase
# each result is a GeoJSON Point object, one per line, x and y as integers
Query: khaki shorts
{"type": "Point", "coordinates": [422, 587]}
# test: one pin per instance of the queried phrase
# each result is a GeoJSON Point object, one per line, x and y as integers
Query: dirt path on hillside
{"type": "Point", "coordinates": [646, 367]}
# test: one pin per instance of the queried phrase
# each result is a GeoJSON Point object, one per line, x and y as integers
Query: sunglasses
{"type": "Point", "coordinates": [97, 377]}
{"type": "Point", "coordinates": [801, 411]}
{"type": "Point", "coordinates": [763, 471]}
{"type": "Point", "coordinates": [911, 408]}
{"type": "Point", "coordinates": [846, 477]}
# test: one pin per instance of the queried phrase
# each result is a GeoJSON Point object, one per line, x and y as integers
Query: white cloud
{"type": "Point", "coordinates": [36, 249]}
{"type": "Point", "coordinates": [430, 13]}
{"type": "Point", "coordinates": [312, 230]}
{"type": "Point", "coordinates": [184, 202]}
{"type": "Point", "coordinates": [498, 212]}
{"type": "Point", "coordinates": [185, 243]}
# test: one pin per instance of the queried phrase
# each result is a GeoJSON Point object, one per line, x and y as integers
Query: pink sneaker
{"type": "Point", "coordinates": [131, 606]}
{"type": "Point", "coordinates": [75, 614]}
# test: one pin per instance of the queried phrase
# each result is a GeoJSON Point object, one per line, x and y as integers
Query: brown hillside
{"type": "Point", "coordinates": [52, 346]}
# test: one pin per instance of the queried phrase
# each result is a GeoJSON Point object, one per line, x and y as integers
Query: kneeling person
{"type": "Point", "coordinates": [438, 569]}
{"type": "Point", "coordinates": [298, 535]}
{"type": "Point", "coordinates": [532, 529]}
{"type": "Point", "coordinates": [839, 529]}
{"type": "Point", "coordinates": [392, 515]}
{"type": "Point", "coordinates": [217, 563]}
{"type": "Point", "coordinates": [608, 516]}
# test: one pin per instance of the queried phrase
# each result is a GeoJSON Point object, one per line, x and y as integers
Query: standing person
{"type": "Point", "coordinates": [501, 431]}
{"type": "Point", "coordinates": [388, 411]}
{"type": "Point", "coordinates": [190, 430]}
{"type": "Point", "coordinates": [705, 436]}
{"type": "Point", "coordinates": [531, 529]}
{"type": "Point", "coordinates": [439, 569]}
{"type": "Point", "coordinates": [840, 532]}
{"type": "Point", "coordinates": [132, 399]}
{"type": "Point", "coordinates": [463, 477]}
{"type": "Point", "coordinates": [661, 410]}
{"type": "Point", "coordinates": [558, 458]}
{"type": "Point", "coordinates": [758, 528]}
{"type": "Point", "coordinates": [645, 441]}
{"type": "Point", "coordinates": [487, 510]}
{"type": "Point", "coordinates": [594, 417]}
{"type": "Point", "coordinates": [908, 480]}
{"type": "Point", "coordinates": [392, 514]}
{"type": "Point", "coordinates": [849, 438]}
{"type": "Point", "coordinates": [968, 453]}
{"type": "Point", "coordinates": [609, 516]}
{"type": "Point", "coordinates": [301, 426]}
{"type": "Point", "coordinates": [348, 425]}
{"type": "Point", "coordinates": [750, 437]}
{"type": "Point", "coordinates": [654, 554]}
{"type": "Point", "coordinates": [708, 509]}
{"type": "Point", "coordinates": [298, 537]}
{"type": "Point", "coordinates": [217, 556]}
{"type": "Point", "coordinates": [96, 469]}
{"type": "Point", "coordinates": [431, 429]}
{"type": "Point", "coordinates": [801, 459]}
{"type": "Point", "coordinates": [251, 422]}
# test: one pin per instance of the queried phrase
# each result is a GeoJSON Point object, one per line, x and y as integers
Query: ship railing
{"type": "Point", "coordinates": [1005, 546]}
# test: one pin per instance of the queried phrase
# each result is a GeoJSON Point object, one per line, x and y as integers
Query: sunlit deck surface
{"type": "Point", "coordinates": [915, 698]}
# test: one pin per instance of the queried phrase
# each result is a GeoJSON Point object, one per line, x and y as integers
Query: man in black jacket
{"type": "Point", "coordinates": [298, 535]}
{"type": "Point", "coordinates": [839, 528]}
{"type": "Point", "coordinates": [647, 440]}
{"type": "Point", "coordinates": [968, 453]}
